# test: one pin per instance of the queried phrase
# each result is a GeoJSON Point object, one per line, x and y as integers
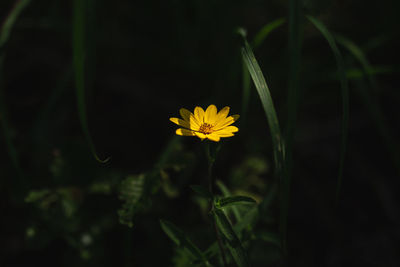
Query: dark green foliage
{"type": "Point", "coordinates": [232, 241]}
{"type": "Point", "coordinates": [181, 240]}
{"type": "Point", "coordinates": [82, 80]}
{"type": "Point", "coordinates": [131, 193]}
{"type": "Point", "coordinates": [236, 200]}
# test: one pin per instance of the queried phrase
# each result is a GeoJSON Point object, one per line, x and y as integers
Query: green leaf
{"type": "Point", "coordinates": [132, 193]}
{"type": "Point", "coordinates": [181, 240]}
{"type": "Point", "coordinates": [236, 200]}
{"type": "Point", "coordinates": [34, 196]}
{"type": "Point", "coordinates": [266, 30]}
{"type": "Point", "coordinates": [345, 96]}
{"type": "Point", "coordinates": [182, 258]}
{"type": "Point", "coordinates": [80, 10]}
{"type": "Point", "coordinates": [278, 145]}
{"type": "Point", "coordinates": [235, 246]}
{"type": "Point", "coordinates": [225, 191]}
{"type": "Point", "coordinates": [267, 103]}
{"type": "Point", "coordinates": [257, 41]}
{"type": "Point", "coordinates": [202, 191]}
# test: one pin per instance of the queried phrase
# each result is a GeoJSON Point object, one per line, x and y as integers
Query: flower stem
{"type": "Point", "coordinates": [211, 159]}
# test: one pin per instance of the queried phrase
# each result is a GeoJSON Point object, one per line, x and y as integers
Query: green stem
{"type": "Point", "coordinates": [211, 159]}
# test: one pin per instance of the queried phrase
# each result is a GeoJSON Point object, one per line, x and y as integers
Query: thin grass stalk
{"type": "Point", "coordinates": [210, 161]}
{"type": "Point", "coordinates": [294, 45]}
{"type": "Point", "coordinates": [371, 103]}
{"type": "Point", "coordinates": [257, 41]}
{"type": "Point", "coordinates": [79, 56]}
{"type": "Point", "coordinates": [5, 32]}
{"type": "Point", "coordinates": [273, 123]}
{"type": "Point", "coordinates": [345, 97]}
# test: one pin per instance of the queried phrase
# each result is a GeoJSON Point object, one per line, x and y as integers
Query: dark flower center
{"type": "Point", "coordinates": [206, 128]}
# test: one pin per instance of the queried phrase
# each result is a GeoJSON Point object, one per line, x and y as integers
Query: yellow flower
{"type": "Point", "coordinates": [206, 124]}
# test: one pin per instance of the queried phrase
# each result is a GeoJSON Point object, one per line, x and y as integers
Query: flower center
{"type": "Point", "coordinates": [206, 128]}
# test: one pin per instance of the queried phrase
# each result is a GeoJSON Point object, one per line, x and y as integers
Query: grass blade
{"type": "Point", "coordinates": [359, 55]}
{"type": "Point", "coordinates": [277, 140]}
{"type": "Point", "coordinates": [257, 41]}
{"type": "Point", "coordinates": [266, 30]}
{"type": "Point", "coordinates": [79, 55]}
{"type": "Point", "coordinates": [345, 96]}
{"type": "Point", "coordinates": [5, 32]}
{"type": "Point", "coordinates": [370, 102]}
{"type": "Point", "coordinates": [10, 21]}
{"type": "Point", "coordinates": [266, 100]}
{"type": "Point", "coordinates": [294, 45]}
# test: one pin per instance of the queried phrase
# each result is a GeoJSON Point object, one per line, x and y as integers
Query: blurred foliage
{"type": "Point", "coordinates": [144, 61]}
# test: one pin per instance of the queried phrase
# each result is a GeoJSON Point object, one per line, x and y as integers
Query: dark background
{"type": "Point", "coordinates": [146, 60]}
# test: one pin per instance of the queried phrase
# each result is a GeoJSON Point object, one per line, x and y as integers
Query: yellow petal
{"type": "Point", "coordinates": [210, 115]}
{"type": "Point", "coordinates": [222, 114]}
{"type": "Point", "coordinates": [185, 114]}
{"type": "Point", "coordinates": [228, 129]}
{"type": "Point", "coordinates": [200, 135]}
{"type": "Point", "coordinates": [235, 117]}
{"type": "Point", "coordinates": [224, 123]}
{"type": "Point", "coordinates": [180, 122]}
{"type": "Point", "coordinates": [213, 137]}
{"type": "Point", "coordinates": [194, 123]}
{"type": "Point", "coordinates": [199, 114]}
{"type": "Point", "coordinates": [184, 132]}
{"type": "Point", "coordinates": [224, 134]}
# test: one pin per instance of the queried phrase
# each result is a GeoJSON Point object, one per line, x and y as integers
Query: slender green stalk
{"type": "Point", "coordinates": [371, 101]}
{"type": "Point", "coordinates": [345, 97]}
{"type": "Point", "coordinates": [211, 160]}
{"type": "Point", "coordinates": [293, 92]}
{"type": "Point", "coordinates": [5, 32]}
{"type": "Point", "coordinates": [277, 139]}
{"type": "Point", "coordinates": [246, 82]}
{"type": "Point", "coordinates": [79, 45]}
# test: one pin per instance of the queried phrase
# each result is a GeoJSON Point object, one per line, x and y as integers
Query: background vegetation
{"type": "Point", "coordinates": [85, 77]}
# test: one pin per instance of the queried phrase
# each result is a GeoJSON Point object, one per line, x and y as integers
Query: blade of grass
{"type": "Point", "coordinates": [359, 55]}
{"type": "Point", "coordinates": [5, 32]}
{"type": "Point", "coordinates": [265, 31]}
{"type": "Point", "coordinates": [356, 73]}
{"type": "Point", "coordinates": [277, 140]}
{"type": "Point", "coordinates": [294, 45]}
{"type": "Point", "coordinates": [267, 103]}
{"type": "Point", "coordinates": [79, 55]}
{"type": "Point", "coordinates": [10, 21]}
{"type": "Point", "coordinates": [370, 102]}
{"type": "Point", "coordinates": [345, 96]}
{"type": "Point", "coordinates": [257, 41]}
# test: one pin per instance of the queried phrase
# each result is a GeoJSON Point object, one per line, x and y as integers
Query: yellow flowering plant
{"type": "Point", "coordinates": [208, 124]}
{"type": "Point", "coordinates": [213, 125]}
